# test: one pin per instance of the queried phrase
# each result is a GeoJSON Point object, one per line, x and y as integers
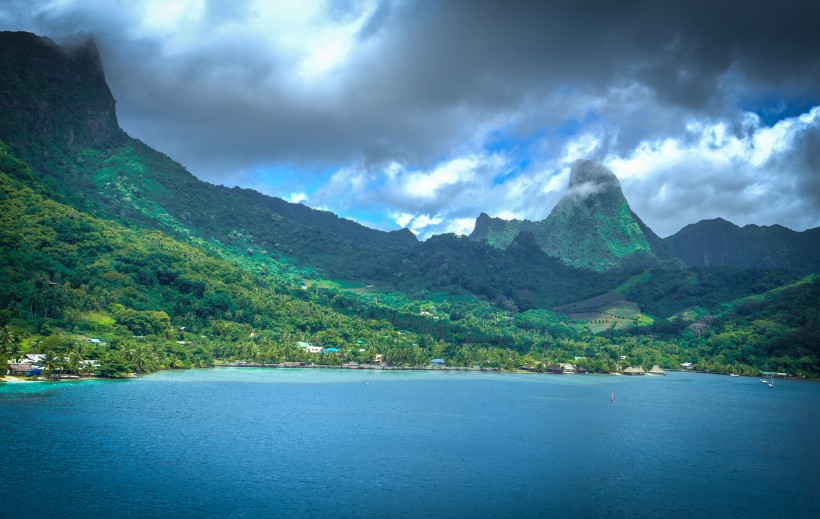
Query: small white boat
{"type": "Point", "coordinates": [733, 375]}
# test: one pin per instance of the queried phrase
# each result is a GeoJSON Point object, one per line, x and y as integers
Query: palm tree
{"type": "Point", "coordinates": [72, 363]}
{"type": "Point", "coordinates": [51, 362]}
{"type": "Point", "coordinates": [7, 338]}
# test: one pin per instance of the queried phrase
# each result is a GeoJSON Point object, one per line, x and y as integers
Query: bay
{"type": "Point", "coordinates": [242, 442]}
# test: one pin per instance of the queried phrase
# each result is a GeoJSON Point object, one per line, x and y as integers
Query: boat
{"type": "Point", "coordinates": [612, 397]}
{"type": "Point", "coordinates": [771, 384]}
{"type": "Point", "coordinates": [733, 375]}
{"type": "Point", "coordinates": [764, 381]}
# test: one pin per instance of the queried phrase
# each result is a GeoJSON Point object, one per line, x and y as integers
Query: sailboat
{"type": "Point", "coordinates": [771, 384]}
{"type": "Point", "coordinates": [612, 397]}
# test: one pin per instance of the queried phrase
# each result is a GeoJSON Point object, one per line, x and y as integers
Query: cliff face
{"type": "Point", "coordinates": [54, 96]}
{"type": "Point", "coordinates": [58, 115]}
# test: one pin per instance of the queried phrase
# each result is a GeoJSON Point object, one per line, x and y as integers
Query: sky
{"type": "Point", "coordinates": [424, 114]}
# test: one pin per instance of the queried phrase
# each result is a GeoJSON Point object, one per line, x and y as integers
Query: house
{"type": "Point", "coordinates": [379, 358]}
{"type": "Point", "coordinates": [567, 367]}
{"type": "Point", "coordinates": [437, 363]}
{"type": "Point", "coordinates": [89, 366]}
{"type": "Point", "coordinates": [634, 371]}
{"type": "Point", "coordinates": [555, 369]}
{"type": "Point", "coordinates": [582, 370]}
{"type": "Point", "coordinates": [309, 347]}
{"type": "Point", "coordinates": [688, 365]}
{"type": "Point", "coordinates": [34, 358]}
{"type": "Point", "coordinates": [18, 368]}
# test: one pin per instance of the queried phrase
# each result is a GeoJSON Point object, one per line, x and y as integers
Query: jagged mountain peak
{"type": "Point", "coordinates": [592, 226]}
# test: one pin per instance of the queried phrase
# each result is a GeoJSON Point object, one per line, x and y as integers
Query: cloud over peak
{"type": "Point", "coordinates": [442, 110]}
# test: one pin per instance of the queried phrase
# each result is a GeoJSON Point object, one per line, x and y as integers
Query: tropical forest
{"type": "Point", "coordinates": [115, 260]}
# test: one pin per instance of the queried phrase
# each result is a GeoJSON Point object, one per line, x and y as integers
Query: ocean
{"type": "Point", "coordinates": [244, 442]}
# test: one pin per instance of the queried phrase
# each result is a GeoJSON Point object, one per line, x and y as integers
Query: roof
{"type": "Point", "coordinates": [656, 369]}
{"type": "Point", "coordinates": [303, 344]}
{"type": "Point", "coordinates": [437, 361]}
{"type": "Point", "coordinates": [331, 349]}
{"type": "Point", "coordinates": [630, 369]}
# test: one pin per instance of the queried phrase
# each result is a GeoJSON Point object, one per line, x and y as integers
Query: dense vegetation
{"type": "Point", "coordinates": [115, 260]}
{"type": "Point", "coordinates": [158, 302]}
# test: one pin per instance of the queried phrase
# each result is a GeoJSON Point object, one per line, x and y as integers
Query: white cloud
{"type": "Point", "coordinates": [745, 177]}
{"type": "Point", "coordinates": [422, 184]}
{"type": "Point", "coordinates": [165, 18]}
{"type": "Point", "coordinates": [295, 198]}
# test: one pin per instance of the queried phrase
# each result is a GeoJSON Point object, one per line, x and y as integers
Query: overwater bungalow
{"type": "Point", "coordinates": [656, 370]}
{"type": "Point", "coordinates": [634, 371]}
{"type": "Point", "coordinates": [555, 369]}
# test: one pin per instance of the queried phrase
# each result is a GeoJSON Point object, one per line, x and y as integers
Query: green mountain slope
{"type": "Point", "coordinates": [591, 227]}
{"type": "Point", "coordinates": [58, 115]}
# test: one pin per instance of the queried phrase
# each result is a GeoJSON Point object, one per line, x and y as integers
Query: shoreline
{"type": "Point", "coordinates": [372, 367]}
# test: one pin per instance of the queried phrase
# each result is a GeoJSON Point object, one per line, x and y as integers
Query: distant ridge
{"type": "Point", "coordinates": [719, 242]}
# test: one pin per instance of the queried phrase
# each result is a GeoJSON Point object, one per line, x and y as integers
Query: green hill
{"type": "Point", "coordinates": [103, 237]}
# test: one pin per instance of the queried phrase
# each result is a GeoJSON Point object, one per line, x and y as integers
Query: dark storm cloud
{"type": "Point", "coordinates": [438, 69]}
{"type": "Point", "coordinates": [425, 82]}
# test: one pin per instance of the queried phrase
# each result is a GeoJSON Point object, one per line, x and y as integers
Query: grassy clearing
{"type": "Point", "coordinates": [606, 311]}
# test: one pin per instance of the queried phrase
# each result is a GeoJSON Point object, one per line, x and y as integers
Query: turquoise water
{"type": "Point", "coordinates": [331, 443]}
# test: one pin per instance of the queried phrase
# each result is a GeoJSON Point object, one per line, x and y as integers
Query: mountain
{"type": "Point", "coordinates": [102, 236]}
{"type": "Point", "coordinates": [54, 96]}
{"type": "Point", "coordinates": [591, 227]}
{"type": "Point", "coordinates": [57, 114]}
{"type": "Point", "coordinates": [718, 242]}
